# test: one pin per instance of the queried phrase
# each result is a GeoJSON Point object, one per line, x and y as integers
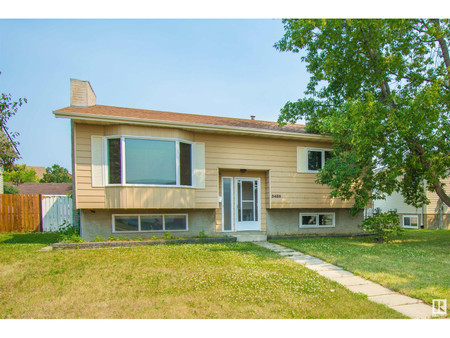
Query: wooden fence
{"type": "Point", "coordinates": [20, 213]}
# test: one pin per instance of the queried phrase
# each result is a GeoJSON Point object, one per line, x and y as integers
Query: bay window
{"type": "Point", "coordinates": [142, 161]}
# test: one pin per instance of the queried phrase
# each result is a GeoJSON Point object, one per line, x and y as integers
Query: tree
{"type": "Point", "coordinates": [380, 89]}
{"type": "Point", "coordinates": [19, 174]}
{"type": "Point", "coordinates": [8, 144]}
{"type": "Point", "coordinates": [56, 174]}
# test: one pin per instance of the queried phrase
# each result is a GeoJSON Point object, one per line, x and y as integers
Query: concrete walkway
{"type": "Point", "coordinates": [411, 307]}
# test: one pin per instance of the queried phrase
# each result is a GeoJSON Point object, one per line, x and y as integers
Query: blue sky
{"type": "Point", "coordinates": [212, 67]}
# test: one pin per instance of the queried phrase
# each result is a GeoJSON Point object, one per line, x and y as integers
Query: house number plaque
{"type": "Point", "coordinates": [276, 195]}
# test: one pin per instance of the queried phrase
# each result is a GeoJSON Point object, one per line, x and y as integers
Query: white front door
{"type": "Point", "coordinates": [247, 200]}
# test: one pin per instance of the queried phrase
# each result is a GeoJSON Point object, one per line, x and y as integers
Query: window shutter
{"type": "Point", "coordinates": [199, 165]}
{"type": "Point", "coordinates": [301, 160]}
{"type": "Point", "coordinates": [97, 158]}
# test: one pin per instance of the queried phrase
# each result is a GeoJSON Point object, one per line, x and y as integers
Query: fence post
{"type": "Point", "coordinates": [40, 214]}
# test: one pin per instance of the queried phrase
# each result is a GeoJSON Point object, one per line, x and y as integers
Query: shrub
{"type": "Point", "coordinates": [100, 239]}
{"type": "Point", "coordinates": [68, 233]}
{"type": "Point", "coordinates": [385, 225]}
{"type": "Point", "coordinates": [167, 235]}
{"type": "Point", "coordinates": [10, 189]}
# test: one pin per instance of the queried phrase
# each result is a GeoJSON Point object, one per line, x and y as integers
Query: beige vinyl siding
{"type": "Point", "coordinates": [276, 159]}
{"type": "Point", "coordinates": [86, 195]}
{"type": "Point", "coordinates": [435, 202]}
{"type": "Point", "coordinates": [149, 198]}
{"type": "Point", "coordinates": [297, 190]}
{"type": "Point", "coordinates": [148, 131]}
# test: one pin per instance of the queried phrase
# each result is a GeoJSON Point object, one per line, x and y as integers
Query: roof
{"type": "Point", "coordinates": [142, 115]}
{"type": "Point", "coordinates": [44, 188]}
{"type": "Point", "coordinates": [40, 171]}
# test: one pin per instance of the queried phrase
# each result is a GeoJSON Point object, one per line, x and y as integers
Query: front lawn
{"type": "Point", "coordinates": [233, 280]}
{"type": "Point", "coordinates": [417, 264]}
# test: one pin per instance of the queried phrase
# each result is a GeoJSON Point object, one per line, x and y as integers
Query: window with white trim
{"type": "Point", "coordinates": [150, 223]}
{"type": "Point", "coordinates": [141, 161]}
{"type": "Point", "coordinates": [411, 221]}
{"type": "Point", "coordinates": [317, 220]}
{"type": "Point", "coordinates": [316, 158]}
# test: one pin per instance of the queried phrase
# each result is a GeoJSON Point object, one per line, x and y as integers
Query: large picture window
{"type": "Point", "coordinates": [150, 223]}
{"type": "Point", "coordinates": [141, 161]}
{"type": "Point", "coordinates": [150, 162]}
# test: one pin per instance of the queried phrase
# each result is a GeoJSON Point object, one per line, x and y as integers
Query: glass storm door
{"type": "Point", "coordinates": [247, 198]}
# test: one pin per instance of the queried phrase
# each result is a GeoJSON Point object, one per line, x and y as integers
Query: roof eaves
{"type": "Point", "coordinates": [191, 126]}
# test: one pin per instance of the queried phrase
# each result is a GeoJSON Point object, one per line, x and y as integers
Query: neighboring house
{"type": "Point", "coordinates": [435, 215]}
{"type": "Point", "coordinates": [44, 188]}
{"type": "Point", "coordinates": [40, 171]}
{"type": "Point", "coordinates": [142, 173]}
{"type": "Point", "coordinates": [8, 145]}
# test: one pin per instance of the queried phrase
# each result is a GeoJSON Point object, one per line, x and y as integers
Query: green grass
{"type": "Point", "coordinates": [233, 280]}
{"type": "Point", "coordinates": [416, 264]}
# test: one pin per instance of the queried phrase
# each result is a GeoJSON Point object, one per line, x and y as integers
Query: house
{"type": "Point", "coordinates": [435, 215]}
{"type": "Point", "coordinates": [43, 188]}
{"type": "Point", "coordinates": [40, 171]}
{"type": "Point", "coordinates": [142, 173]}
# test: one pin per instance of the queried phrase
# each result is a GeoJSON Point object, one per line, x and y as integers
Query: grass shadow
{"type": "Point", "coordinates": [29, 238]}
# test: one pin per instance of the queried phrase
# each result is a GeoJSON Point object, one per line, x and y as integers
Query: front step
{"type": "Point", "coordinates": [250, 236]}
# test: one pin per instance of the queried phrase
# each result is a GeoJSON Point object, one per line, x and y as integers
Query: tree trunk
{"type": "Point", "coordinates": [443, 45]}
{"type": "Point", "coordinates": [441, 193]}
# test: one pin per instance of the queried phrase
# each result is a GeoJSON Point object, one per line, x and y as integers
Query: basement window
{"type": "Point", "coordinates": [149, 223]}
{"type": "Point", "coordinates": [411, 221]}
{"type": "Point", "coordinates": [317, 220]}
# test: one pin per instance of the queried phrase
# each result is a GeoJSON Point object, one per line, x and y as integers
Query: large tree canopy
{"type": "Point", "coordinates": [56, 174]}
{"type": "Point", "coordinates": [380, 89]}
{"type": "Point", "coordinates": [8, 144]}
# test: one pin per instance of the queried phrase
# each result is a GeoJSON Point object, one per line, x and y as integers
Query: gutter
{"type": "Point", "coordinates": [191, 126]}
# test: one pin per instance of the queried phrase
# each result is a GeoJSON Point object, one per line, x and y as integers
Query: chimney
{"type": "Point", "coordinates": [81, 94]}
{"type": "Point", "coordinates": [252, 117]}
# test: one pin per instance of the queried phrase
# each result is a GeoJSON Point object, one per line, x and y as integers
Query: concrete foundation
{"type": "Point", "coordinates": [282, 222]}
{"type": "Point", "coordinates": [99, 223]}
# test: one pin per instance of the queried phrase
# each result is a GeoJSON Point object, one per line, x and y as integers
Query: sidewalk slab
{"type": "Point", "coordinates": [415, 311]}
{"type": "Point", "coordinates": [314, 261]}
{"type": "Point", "coordinates": [370, 289]}
{"type": "Point", "coordinates": [334, 273]}
{"type": "Point", "coordinates": [394, 299]}
{"type": "Point", "coordinates": [287, 253]}
{"type": "Point", "coordinates": [349, 281]}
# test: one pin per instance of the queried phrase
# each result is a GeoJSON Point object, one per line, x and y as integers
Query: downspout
{"type": "Point", "coordinates": [422, 209]}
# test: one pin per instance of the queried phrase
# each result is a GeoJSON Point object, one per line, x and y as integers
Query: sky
{"type": "Point", "coordinates": [222, 67]}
